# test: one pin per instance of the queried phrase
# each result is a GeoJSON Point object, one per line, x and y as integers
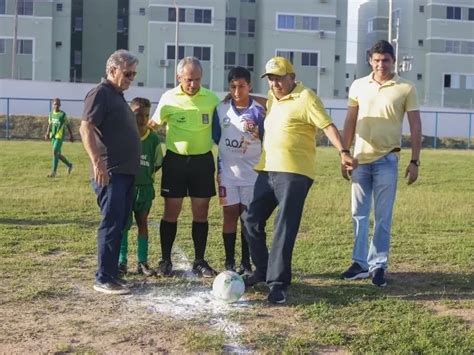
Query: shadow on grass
{"type": "Point", "coordinates": [415, 286]}
{"type": "Point", "coordinates": [44, 222]}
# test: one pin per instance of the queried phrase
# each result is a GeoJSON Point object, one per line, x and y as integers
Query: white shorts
{"type": "Point", "coordinates": [233, 195]}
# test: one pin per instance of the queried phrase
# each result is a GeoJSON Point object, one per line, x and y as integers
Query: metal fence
{"type": "Point", "coordinates": [437, 125]}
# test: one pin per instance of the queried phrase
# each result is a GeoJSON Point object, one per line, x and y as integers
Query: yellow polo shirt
{"type": "Point", "coordinates": [289, 143]}
{"type": "Point", "coordinates": [380, 118]}
{"type": "Point", "coordinates": [188, 120]}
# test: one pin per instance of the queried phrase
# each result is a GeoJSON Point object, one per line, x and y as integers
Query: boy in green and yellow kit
{"type": "Point", "coordinates": [57, 121]}
{"type": "Point", "coordinates": [150, 161]}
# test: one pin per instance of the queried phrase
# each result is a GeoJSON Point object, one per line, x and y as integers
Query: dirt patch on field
{"type": "Point", "coordinates": [86, 321]}
{"type": "Point", "coordinates": [179, 314]}
{"type": "Point", "coordinates": [444, 310]}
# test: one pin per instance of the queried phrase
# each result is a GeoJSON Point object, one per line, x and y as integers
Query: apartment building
{"type": "Point", "coordinates": [63, 40]}
{"type": "Point", "coordinates": [223, 34]}
{"type": "Point", "coordinates": [69, 40]}
{"type": "Point", "coordinates": [434, 42]}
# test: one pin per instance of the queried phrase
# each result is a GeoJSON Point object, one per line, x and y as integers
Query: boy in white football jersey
{"type": "Point", "coordinates": [237, 128]}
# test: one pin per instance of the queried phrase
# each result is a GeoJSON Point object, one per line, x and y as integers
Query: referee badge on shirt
{"type": "Point", "coordinates": [205, 118]}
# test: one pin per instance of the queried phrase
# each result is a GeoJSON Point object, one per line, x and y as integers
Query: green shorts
{"type": "Point", "coordinates": [143, 199]}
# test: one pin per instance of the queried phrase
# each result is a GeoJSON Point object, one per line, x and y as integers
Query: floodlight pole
{"type": "Point", "coordinates": [390, 9]}
{"type": "Point", "coordinates": [176, 43]}
{"type": "Point", "coordinates": [15, 36]}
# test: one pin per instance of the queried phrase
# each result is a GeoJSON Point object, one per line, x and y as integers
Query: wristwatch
{"type": "Point", "coordinates": [415, 162]}
{"type": "Point", "coordinates": [344, 151]}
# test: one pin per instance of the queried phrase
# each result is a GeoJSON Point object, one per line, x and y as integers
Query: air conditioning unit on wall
{"type": "Point", "coordinates": [164, 62]}
{"type": "Point", "coordinates": [322, 70]}
{"type": "Point", "coordinates": [322, 34]}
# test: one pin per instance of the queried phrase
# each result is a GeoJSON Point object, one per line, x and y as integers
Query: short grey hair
{"type": "Point", "coordinates": [188, 61]}
{"type": "Point", "coordinates": [120, 58]}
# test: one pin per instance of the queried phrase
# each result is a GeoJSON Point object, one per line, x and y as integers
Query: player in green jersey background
{"type": "Point", "coordinates": [150, 161]}
{"type": "Point", "coordinates": [57, 120]}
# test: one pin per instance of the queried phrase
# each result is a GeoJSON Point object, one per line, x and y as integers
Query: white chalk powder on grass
{"type": "Point", "coordinates": [190, 300]}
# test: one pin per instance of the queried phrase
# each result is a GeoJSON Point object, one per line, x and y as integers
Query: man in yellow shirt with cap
{"type": "Point", "coordinates": [285, 174]}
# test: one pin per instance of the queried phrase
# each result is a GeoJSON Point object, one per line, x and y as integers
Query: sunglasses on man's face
{"type": "Point", "coordinates": [129, 74]}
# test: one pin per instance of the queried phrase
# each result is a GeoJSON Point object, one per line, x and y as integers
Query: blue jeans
{"type": "Point", "coordinates": [377, 182]}
{"type": "Point", "coordinates": [115, 202]}
{"type": "Point", "coordinates": [288, 192]}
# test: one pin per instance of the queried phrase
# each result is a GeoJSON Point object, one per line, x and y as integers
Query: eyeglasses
{"type": "Point", "coordinates": [129, 74]}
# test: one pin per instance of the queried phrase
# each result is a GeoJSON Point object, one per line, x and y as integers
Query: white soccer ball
{"type": "Point", "coordinates": [228, 286]}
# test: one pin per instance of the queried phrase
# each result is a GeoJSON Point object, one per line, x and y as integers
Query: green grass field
{"type": "Point", "coordinates": [47, 261]}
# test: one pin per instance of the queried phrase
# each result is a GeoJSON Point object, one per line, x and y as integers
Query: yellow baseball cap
{"type": "Point", "coordinates": [278, 66]}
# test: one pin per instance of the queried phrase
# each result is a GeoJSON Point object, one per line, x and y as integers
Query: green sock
{"type": "Point", "coordinates": [142, 251]}
{"type": "Point", "coordinates": [55, 163]}
{"type": "Point", "coordinates": [65, 161]}
{"type": "Point", "coordinates": [123, 248]}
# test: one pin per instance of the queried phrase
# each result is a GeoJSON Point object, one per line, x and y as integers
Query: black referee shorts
{"type": "Point", "coordinates": [188, 175]}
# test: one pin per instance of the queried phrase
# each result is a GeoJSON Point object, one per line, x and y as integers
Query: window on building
{"type": "Point", "coordinates": [420, 43]}
{"type": "Point", "coordinates": [246, 60]}
{"type": "Point", "coordinates": [202, 16]}
{"type": "Point", "coordinates": [77, 57]}
{"type": "Point", "coordinates": [470, 47]}
{"type": "Point", "coordinates": [452, 81]}
{"type": "Point", "coordinates": [77, 24]}
{"type": "Point", "coordinates": [338, 23]}
{"type": "Point", "coordinates": [170, 85]}
{"type": "Point", "coordinates": [58, 44]}
{"type": "Point", "coordinates": [337, 57]}
{"type": "Point", "coordinates": [142, 11]}
{"type": "Point", "coordinates": [287, 54]}
{"type": "Point", "coordinates": [453, 12]}
{"type": "Point", "coordinates": [455, 81]}
{"type": "Point", "coordinates": [347, 89]}
{"type": "Point", "coordinates": [453, 46]}
{"type": "Point", "coordinates": [421, 8]}
{"type": "Point", "coordinates": [202, 53]}
{"type": "Point", "coordinates": [470, 82]}
{"type": "Point", "coordinates": [59, 7]}
{"type": "Point", "coordinates": [470, 15]}
{"type": "Point", "coordinates": [172, 14]}
{"type": "Point", "coordinates": [336, 92]}
{"type": "Point", "coordinates": [309, 59]}
{"type": "Point", "coordinates": [120, 25]}
{"type": "Point", "coordinates": [2, 6]}
{"type": "Point", "coordinates": [170, 52]}
{"type": "Point", "coordinates": [286, 22]}
{"type": "Point", "coordinates": [230, 26]}
{"type": "Point", "coordinates": [24, 46]}
{"type": "Point", "coordinates": [141, 48]}
{"type": "Point", "coordinates": [250, 1]}
{"type": "Point", "coordinates": [370, 26]}
{"type": "Point", "coordinates": [140, 83]}
{"type": "Point", "coordinates": [229, 60]}
{"type": "Point", "coordinates": [25, 7]}
{"type": "Point", "coordinates": [310, 23]}
{"type": "Point", "coordinates": [347, 75]}
{"type": "Point", "coordinates": [247, 27]}
{"type": "Point", "coordinates": [419, 76]}
{"type": "Point", "coordinates": [2, 45]}
{"type": "Point", "coordinates": [251, 28]}
{"type": "Point", "coordinates": [447, 80]}
{"type": "Point", "coordinates": [250, 62]}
